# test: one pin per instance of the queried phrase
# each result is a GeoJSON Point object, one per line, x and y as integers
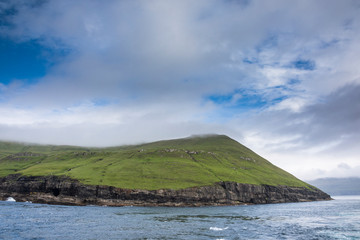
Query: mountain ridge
{"type": "Point", "coordinates": [338, 186]}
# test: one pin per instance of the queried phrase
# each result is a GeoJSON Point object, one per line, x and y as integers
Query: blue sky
{"type": "Point", "coordinates": [25, 56]}
{"type": "Point", "coordinates": [280, 77]}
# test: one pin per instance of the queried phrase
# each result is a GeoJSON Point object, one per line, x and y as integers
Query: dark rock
{"type": "Point", "coordinates": [67, 191]}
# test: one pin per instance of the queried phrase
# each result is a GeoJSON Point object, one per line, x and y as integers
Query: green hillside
{"type": "Point", "coordinates": [171, 164]}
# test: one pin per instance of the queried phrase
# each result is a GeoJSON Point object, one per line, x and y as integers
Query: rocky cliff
{"type": "Point", "coordinates": [63, 190]}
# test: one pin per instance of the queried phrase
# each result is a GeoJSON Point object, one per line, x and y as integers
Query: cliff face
{"type": "Point", "coordinates": [63, 190]}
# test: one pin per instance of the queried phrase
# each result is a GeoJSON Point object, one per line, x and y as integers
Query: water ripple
{"type": "Point", "coordinates": [338, 219]}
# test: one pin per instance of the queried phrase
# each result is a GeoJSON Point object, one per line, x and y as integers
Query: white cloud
{"type": "Point", "coordinates": [294, 104]}
{"type": "Point", "coordinates": [319, 136]}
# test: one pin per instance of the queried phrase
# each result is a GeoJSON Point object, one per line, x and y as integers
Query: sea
{"type": "Point", "coordinates": [336, 219]}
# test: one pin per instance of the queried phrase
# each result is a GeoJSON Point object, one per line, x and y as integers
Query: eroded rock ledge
{"type": "Point", "coordinates": [66, 191]}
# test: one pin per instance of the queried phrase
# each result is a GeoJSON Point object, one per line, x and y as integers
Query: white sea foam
{"type": "Point", "coordinates": [10, 199]}
{"type": "Point", "coordinates": [218, 229]}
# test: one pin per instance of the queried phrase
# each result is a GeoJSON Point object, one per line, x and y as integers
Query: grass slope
{"type": "Point", "coordinates": [171, 164]}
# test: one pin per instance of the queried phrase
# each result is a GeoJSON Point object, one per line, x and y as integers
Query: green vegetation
{"type": "Point", "coordinates": [173, 164]}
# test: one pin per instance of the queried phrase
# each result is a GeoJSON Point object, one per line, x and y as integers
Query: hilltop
{"type": "Point", "coordinates": [171, 164]}
{"type": "Point", "coordinates": [194, 162]}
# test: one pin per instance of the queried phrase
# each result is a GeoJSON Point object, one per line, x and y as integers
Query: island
{"type": "Point", "coordinates": [210, 170]}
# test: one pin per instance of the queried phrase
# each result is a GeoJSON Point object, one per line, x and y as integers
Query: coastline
{"type": "Point", "coordinates": [61, 190]}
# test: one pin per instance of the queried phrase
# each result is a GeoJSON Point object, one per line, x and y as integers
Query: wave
{"type": "Point", "coordinates": [218, 229]}
{"type": "Point", "coordinates": [10, 199]}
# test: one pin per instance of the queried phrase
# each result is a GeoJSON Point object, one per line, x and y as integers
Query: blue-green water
{"type": "Point", "coordinates": [337, 219]}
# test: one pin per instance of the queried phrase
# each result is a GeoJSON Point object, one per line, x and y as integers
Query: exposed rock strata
{"type": "Point", "coordinates": [63, 190]}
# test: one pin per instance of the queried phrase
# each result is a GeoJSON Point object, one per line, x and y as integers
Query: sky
{"type": "Point", "coordinates": [281, 77]}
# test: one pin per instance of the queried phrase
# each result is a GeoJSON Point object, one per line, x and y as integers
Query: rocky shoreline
{"type": "Point", "coordinates": [67, 191]}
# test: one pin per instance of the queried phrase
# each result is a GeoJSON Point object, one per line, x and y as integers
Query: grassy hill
{"type": "Point", "coordinates": [171, 164]}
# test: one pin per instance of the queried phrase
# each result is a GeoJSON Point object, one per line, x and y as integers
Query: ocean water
{"type": "Point", "coordinates": [337, 219]}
